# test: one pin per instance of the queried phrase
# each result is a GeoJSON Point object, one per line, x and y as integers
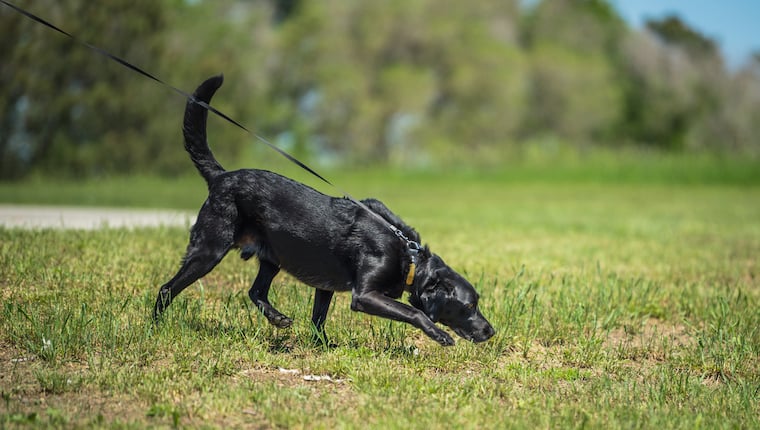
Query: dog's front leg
{"type": "Point", "coordinates": [375, 303]}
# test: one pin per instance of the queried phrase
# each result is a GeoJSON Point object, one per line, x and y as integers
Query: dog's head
{"type": "Point", "coordinates": [446, 297]}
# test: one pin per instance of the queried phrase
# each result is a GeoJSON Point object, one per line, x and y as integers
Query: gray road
{"type": "Point", "coordinates": [25, 216]}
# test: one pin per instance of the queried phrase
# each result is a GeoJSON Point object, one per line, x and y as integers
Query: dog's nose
{"type": "Point", "coordinates": [484, 334]}
{"type": "Point", "coordinates": [490, 331]}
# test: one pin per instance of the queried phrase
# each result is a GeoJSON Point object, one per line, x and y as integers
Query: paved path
{"type": "Point", "coordinates": [87, 218]}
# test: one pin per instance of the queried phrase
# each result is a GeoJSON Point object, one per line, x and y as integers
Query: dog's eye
{"type": "Point", "coordinates": [470, 306]}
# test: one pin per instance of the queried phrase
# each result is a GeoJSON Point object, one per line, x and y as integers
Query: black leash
{"type": "Point", "coordinates": [412, 246]}
{"type": "Point", "coordinates": [150, 76]}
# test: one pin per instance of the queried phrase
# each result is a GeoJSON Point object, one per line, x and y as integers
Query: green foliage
{"type": "Point", "coordinates": [382, 81]}
{"type": "Point", "coordinates": [63, 107]}
{"type": "Point", "coordinates": [674, 31]}
{"type": "Point", "coordinates": [575, 84]}
{"type": "Point", "coordinates": [405, 83]}
{"type": "Point", "coordinates": [582, 116]}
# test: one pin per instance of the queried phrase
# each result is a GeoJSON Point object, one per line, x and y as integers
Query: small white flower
{"type": "Point", "coordinates": [46, 344]}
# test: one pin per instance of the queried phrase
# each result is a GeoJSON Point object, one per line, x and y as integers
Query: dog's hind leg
{"type": "Point", "coordinates": [193, 268]}
{"type": "Point", "coordinates": [259, 294]}
{"type": "Point", "coordinates": [322, 299]}
{"type": "Point", "coordinates": [210, 239]}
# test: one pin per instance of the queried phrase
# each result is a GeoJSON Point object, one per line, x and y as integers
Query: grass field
{"type": "Point", "coordinates": [619, 303]}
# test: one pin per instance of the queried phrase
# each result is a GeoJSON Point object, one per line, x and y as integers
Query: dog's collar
{"type": "Point", "coordinates": [413, 248]}
{"type": "Point", "coordinates": [412, 265]}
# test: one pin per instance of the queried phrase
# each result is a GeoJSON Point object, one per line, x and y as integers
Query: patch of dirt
{"type": "Point", "coordinates": [25, 400]}
{"type": "Point", "coordinates": [296, 378]}
{"type": "Point", "coordinates": [652, 334]}
{"type": "Point", "coordinates": [631, 347]}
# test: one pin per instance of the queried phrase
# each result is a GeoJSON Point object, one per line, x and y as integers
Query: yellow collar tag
{"type": "Point", "coordinates": [410, 275]}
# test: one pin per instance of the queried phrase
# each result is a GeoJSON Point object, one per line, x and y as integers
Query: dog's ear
{"type": "Point", "coordinates": [424, 299]}
{"type": "Point", "coordinates": [431, 304]}
{"type": "Point", "coordinates": [432, 294]}
{"type": "Point", "coordinates": [432, 298]}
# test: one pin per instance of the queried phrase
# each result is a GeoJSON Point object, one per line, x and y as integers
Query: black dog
{"type": "Point", "coordinates": [332, 244]}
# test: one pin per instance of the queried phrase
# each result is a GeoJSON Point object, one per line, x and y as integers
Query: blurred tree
{"type": "Point", "coordinates": [283, 9]}
{"type": "Point", "coordinates": [659, 99]}
{"type": "Point", "coordinates": [729, 116]}
{"type": "Point", "coordinates": [483, 75]}
{"type": "Point", "coordinates": [372, 77]}
{"type": "Point", "coordinates": [235, 38]}
{"type": "Point", "coordinates": [677, 85]}
{"type": "Point", "coordinates": [583, 26]}
{"type": "Point", "coordinates": [741, 110]}
{"type": "Point", "coordinates": [672, 30]}
{"type": "Point", "coordinates": [65, 109]}
{"type": "Point", "coordinates": [404, 82]}
{"type": "Point", "coordinates": [576, 90]}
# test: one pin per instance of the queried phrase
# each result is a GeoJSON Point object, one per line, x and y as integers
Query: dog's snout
{"type": "Point", "coordinates": [477, 334]}
{"type": "Point", "coordinates": [487, 332]}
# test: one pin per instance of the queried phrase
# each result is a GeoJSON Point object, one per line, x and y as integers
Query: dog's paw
{"type": "Point", "coordinates": [280, 321]}
{"type": "Point", "coordinates": [444, 338]}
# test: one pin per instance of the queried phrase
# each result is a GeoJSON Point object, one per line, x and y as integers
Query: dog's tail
{"type": "Point", "coordinates": [194, 130]}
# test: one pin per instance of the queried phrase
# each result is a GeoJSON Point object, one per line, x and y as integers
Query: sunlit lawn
{"type": "Point", "coordinates": [618, 304]}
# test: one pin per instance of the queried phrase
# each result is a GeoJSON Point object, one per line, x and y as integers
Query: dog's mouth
{"type": "Point", "coordinates": [478, 336]}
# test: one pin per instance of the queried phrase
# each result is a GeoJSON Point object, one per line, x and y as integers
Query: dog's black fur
{"type": "Point", "coordinates": [329, 243]}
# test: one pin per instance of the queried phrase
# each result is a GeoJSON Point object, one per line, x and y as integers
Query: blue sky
{"type": "Point", "coordinates": [733, 24]}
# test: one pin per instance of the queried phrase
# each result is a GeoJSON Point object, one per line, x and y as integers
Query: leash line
{"type": "Point", "coordinates": [152, 77]}
{"type": "Point", "coordinates": [411, 245]}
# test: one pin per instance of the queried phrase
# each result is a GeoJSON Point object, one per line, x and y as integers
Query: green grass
{"type": "Point", "coordinates": [618, 304]}
{"type": "Point", "coordinates": [532, 166]}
